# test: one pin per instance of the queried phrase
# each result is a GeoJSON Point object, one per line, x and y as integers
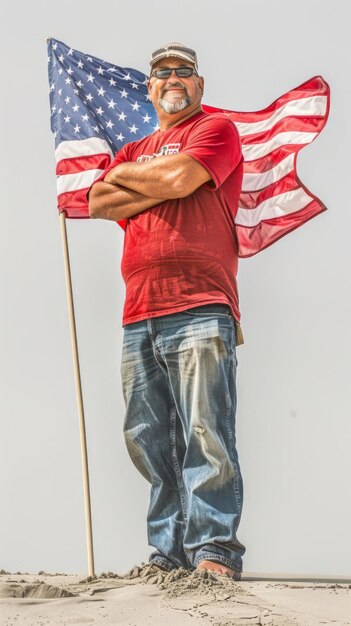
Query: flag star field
{"type": "Point", "coordinates": [92, 98]}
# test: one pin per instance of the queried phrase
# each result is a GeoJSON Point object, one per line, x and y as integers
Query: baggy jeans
{"type": "Point", "coordinates": [178, 376]}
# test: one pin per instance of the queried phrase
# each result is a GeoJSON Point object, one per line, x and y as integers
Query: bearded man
{"type": "Point", "coordinates": [178, 189]}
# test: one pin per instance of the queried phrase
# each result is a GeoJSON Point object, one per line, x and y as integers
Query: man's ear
{"type": "Point", "coordinates": [148, 85]}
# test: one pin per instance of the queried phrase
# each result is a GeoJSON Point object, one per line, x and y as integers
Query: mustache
{"type": "Point", "coordinates": [172, 85]}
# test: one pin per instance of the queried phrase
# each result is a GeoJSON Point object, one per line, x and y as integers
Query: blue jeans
{"type": "Point", "coordinates": [178, 376]}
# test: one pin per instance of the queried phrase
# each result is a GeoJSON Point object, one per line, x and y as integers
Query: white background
{"type": "Point", "coordinates": [293, 421]}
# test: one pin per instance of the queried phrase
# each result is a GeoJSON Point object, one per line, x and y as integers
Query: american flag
{"type": "Point", "coordinates": [97, 107]}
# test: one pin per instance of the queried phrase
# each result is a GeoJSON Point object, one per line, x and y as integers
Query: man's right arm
{"type": "Point", "coordinates": [112, 202]}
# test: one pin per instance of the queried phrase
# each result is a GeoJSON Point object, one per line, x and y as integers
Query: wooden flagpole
{"type": "Point", "coordinates": [83, 442]}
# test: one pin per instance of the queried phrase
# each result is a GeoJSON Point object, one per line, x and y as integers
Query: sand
{"type": "Point", "coordinates": [145, 596]}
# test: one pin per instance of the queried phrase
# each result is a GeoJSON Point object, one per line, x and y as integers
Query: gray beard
{"type": "Point", "coordinates": [175, 107]}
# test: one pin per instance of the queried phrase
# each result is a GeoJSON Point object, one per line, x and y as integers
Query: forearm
{"type": "Point", "coordinates": [161, 177]}
{"type": "Point", "coordinates": [134, 176]}
{"type": "Point", "coordinates": [114, 202]}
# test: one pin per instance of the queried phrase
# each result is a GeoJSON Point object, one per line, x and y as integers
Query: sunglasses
{"type": "Point", "coordinates": [181, 72]}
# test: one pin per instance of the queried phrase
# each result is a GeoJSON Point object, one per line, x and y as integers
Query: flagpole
{"type": "Point", "coordinates": [83, 442]}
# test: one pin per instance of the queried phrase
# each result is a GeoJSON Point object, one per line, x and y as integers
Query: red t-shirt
{"type": "Point", "coordinates": [183, 252]}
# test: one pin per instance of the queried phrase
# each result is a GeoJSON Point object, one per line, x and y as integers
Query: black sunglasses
{"type": "Point", "coordinates": [181, 72]}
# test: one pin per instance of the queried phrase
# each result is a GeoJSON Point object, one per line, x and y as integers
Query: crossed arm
{"type": "Point", "coordinates": [130, 188]}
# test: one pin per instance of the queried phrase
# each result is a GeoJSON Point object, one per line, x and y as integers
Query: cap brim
{"type": "Point", "coordinates": [173, 54]}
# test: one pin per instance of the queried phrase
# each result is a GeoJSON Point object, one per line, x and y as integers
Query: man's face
{"type": "Point", "coordinates": [175, 94]}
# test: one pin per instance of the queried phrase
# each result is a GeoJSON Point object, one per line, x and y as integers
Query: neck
{"type": "Point", "coordinates": [168, 120]}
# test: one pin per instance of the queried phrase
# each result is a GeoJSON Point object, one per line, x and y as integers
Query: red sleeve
{"type": "Point", "coordinates": [215, 143]}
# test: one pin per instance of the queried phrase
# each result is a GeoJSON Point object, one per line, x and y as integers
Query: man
{"type": "Point", "coordinates": [178, 190]}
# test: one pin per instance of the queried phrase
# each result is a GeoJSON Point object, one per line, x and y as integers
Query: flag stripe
{"type": "Point", "coordinates": [288, 124]}
{"type": "Point", "coordinates": [267, 232]}
{"type": "Point", "coordinates": [74, 203]}
{"type": "Point", "coordinates": [313, 87]}
{"type": "Point", "coordinates": [313, 106]}
{"type": "Point", "coordinates": [264, 164]}
{"type": "Point", "coordinates": [252, 182]}
{"type": "Point", "coordinates": [73, 182]}
{"type": "Point", "coordinates": [82, 147]}
{"type": "Point", "coordinates": [255, 151]}
{"type": "Point", "coordinates": [277, 206]}
{"type": "Point", "coordinates": [80, 164]}
{"type": "Point", "coordinates": [252, 199]}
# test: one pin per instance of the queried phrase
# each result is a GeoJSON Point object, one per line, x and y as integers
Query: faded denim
{"type": "Point", "coordinates": [178, 376]}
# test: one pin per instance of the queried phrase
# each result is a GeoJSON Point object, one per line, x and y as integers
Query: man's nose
{"type": "Point", "coordinates": [171, 83]}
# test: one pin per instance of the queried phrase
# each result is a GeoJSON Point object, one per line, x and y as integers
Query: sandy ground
{"type": "Point", "coordinates": [148, 597]}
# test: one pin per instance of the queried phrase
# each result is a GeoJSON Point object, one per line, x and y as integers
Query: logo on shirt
{"type": "Point", "coordinates": [170, 148]}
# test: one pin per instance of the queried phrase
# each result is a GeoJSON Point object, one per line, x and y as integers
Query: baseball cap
{"type": "Point", "coordinates": [174, 49]}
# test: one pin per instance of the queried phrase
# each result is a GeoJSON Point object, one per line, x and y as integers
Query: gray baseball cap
{"type": "Point", "coordinates": [174, 49]}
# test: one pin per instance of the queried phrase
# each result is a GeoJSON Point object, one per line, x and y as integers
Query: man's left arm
{"type": "Point", "coordinates": [167, 177]}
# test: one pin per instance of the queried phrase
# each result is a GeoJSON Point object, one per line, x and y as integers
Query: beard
{"type": "Point", "coordinates": [174, 107]}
